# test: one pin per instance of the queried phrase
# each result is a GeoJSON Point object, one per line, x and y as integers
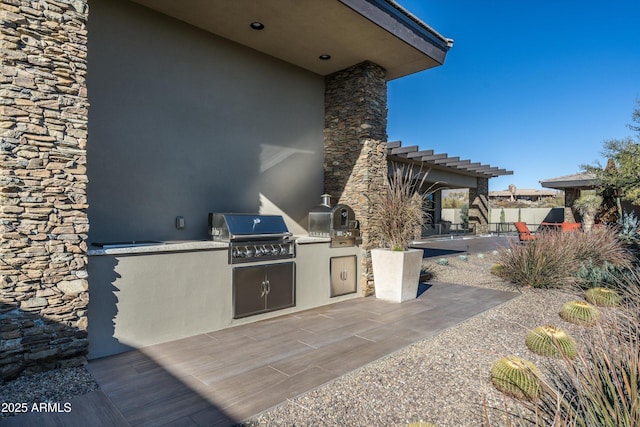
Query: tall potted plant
{"type": "Point", "coordinates": [399, 217]}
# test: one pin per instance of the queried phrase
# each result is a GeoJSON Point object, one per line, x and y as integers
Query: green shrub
{"type": "Point", "coordinates": [590, 275]}
{"type": "Point", "coordinates": [442, 261]}
{"type": "Point", "coordinates": [463, 258]}
{"type": "Point", "coordinates": [629, 231]}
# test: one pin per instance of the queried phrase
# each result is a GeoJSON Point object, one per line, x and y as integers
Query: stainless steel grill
{"type": "Point", "coordinates": [252, 237]}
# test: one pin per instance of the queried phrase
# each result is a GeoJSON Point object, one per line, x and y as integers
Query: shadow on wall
{"type": "Point", "coordinates": [103, 309]}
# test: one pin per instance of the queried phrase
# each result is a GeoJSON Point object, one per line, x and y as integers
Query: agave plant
{"type": "Point", "coordinates": [603, 297]}
{"type": "Point", "coordinates": [580, 313]}
{"type": "Point", "coordinates": [517, 377]}
{"type": "Point", "coordinates": [551, 341]}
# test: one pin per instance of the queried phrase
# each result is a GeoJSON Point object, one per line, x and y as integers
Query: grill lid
{"type": "Point", "coordinates": [232, 227]}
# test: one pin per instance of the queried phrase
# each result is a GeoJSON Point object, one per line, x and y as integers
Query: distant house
{"type": "Point", "coordinates": [572, 185]}
{"type": "Point", "coordinates": [522, 194]}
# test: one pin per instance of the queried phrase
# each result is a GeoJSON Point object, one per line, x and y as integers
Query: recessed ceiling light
{"type": "Point", "coordinates": [257, 25]}
{"type": "Point", "coordinates": [324, 57]}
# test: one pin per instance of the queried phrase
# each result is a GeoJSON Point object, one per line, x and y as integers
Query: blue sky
{"type": "Point", "coordinates": [529, 86]}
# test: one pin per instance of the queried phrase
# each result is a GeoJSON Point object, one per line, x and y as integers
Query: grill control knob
{"type": "Point", "coordinates": [248, 251]}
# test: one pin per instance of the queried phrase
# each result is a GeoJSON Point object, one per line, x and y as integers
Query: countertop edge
{"type": "Point", "coordinates": [160, 247]}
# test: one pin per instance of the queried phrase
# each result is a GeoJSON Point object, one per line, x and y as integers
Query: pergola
{"type": "Point", "coordinates": [452, 172]}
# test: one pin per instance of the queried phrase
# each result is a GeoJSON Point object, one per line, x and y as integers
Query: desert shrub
{"type": "Point", "coordinates": [599, 247]}
{"type": "Point", "coordinates": [442, 261]}
{"type": "Point", "coordinates": [555, 259]}
{"type": "Point", "coordinates": [542, 263]}
{"type": "Point", "coordinates": [590, 275]}
{"type": "Point", "coordinates": [629, 231]}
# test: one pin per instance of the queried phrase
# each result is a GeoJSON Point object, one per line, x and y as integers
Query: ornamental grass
{"type": "Point", "coordinates": [554, 259]}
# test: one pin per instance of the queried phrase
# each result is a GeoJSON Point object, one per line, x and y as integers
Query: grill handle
{"type": "Point", "coordinates": [259, 236]}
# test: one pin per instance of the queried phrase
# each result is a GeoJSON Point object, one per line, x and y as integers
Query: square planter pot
{"type": "Point", "coordinates": [396, 274]}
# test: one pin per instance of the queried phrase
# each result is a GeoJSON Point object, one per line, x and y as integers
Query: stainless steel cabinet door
{"type": "Point", "coordinates": [248, 291]}
{"type": "Point", "coordinates": [343, 275]}
{"type": "Point", "coordinates": [281, 286]}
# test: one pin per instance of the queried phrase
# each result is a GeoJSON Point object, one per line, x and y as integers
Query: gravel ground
{"type": "Point", "coordinates": [58, 385]}
{"type": "Point", "coordinates": [443, 379]}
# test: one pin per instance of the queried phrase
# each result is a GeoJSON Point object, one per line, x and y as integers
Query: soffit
{"type": "Point", "coordinates": [299, 31]}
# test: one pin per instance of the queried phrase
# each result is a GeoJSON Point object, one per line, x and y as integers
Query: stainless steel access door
{"type": "Point", "coordinates": [343, 275]}
{"type": "Point", "coordinates": [262, 288]}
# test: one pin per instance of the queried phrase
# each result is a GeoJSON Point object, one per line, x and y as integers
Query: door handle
{"type": "Point", "coordinates": [268, 286]}
{"type": "Point", "coordinates": [263, 289]}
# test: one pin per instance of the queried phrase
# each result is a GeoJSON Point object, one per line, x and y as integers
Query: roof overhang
{"type": "Point", "coordinates": [300, 31]}
{"type": "Point", "coordinates": [584, 180]}
{"type": "Point", "coordinates": [442, 161]}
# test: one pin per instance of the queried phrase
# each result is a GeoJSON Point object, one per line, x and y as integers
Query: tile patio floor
{"type": "Point", "coordinates": [223, 377]}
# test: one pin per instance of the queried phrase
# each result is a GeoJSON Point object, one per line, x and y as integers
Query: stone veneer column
{"type": "Point", "coordinates": [355, 164]}
{"type": "Point", "coordinates": [44, 225]}
{"type": "Point", "coordinates": [479, 206]}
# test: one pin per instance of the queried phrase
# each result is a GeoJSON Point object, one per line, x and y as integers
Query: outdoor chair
{"type": "Point", "coordinates": [570, 226]}
{"type": "Point", "coordinates": [524, 233]}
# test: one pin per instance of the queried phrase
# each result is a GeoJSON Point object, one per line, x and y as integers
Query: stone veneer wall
{"type": "Point", "coordinates": [479, 208]}
{"type": "Point", "coordinates": [355, 164]}
{"type": "Point", "coordinates": [43, 131]}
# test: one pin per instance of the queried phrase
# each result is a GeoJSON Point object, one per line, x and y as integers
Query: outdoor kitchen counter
{"type": "Point", "coordinates": [146, 292]}
{"type": "Point", "coordinates": [149, 248]}
{"type": "Point", "coordinates": [179, 246]}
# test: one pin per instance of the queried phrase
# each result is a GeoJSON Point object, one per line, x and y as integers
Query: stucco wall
{"type": "Point", "coordinates": [183, 123]}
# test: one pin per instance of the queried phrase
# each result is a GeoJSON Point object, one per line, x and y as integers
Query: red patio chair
{"type": "Point", "coordinates": [524, 233]}
{"type": "Point", "coordinates": [570, 226]}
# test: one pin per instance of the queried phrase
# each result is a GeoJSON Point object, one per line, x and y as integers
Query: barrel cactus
{"type": "Point", "coordinates": [551, 341]}
{"type": "Point", "coordinates": [580, 313]}
{"type": "Point", "coordinates": [603, 297]}
{"type": "Point", "coordinates": [517, 377]}
{"type": "Point", "coordinates": [498, 269]}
